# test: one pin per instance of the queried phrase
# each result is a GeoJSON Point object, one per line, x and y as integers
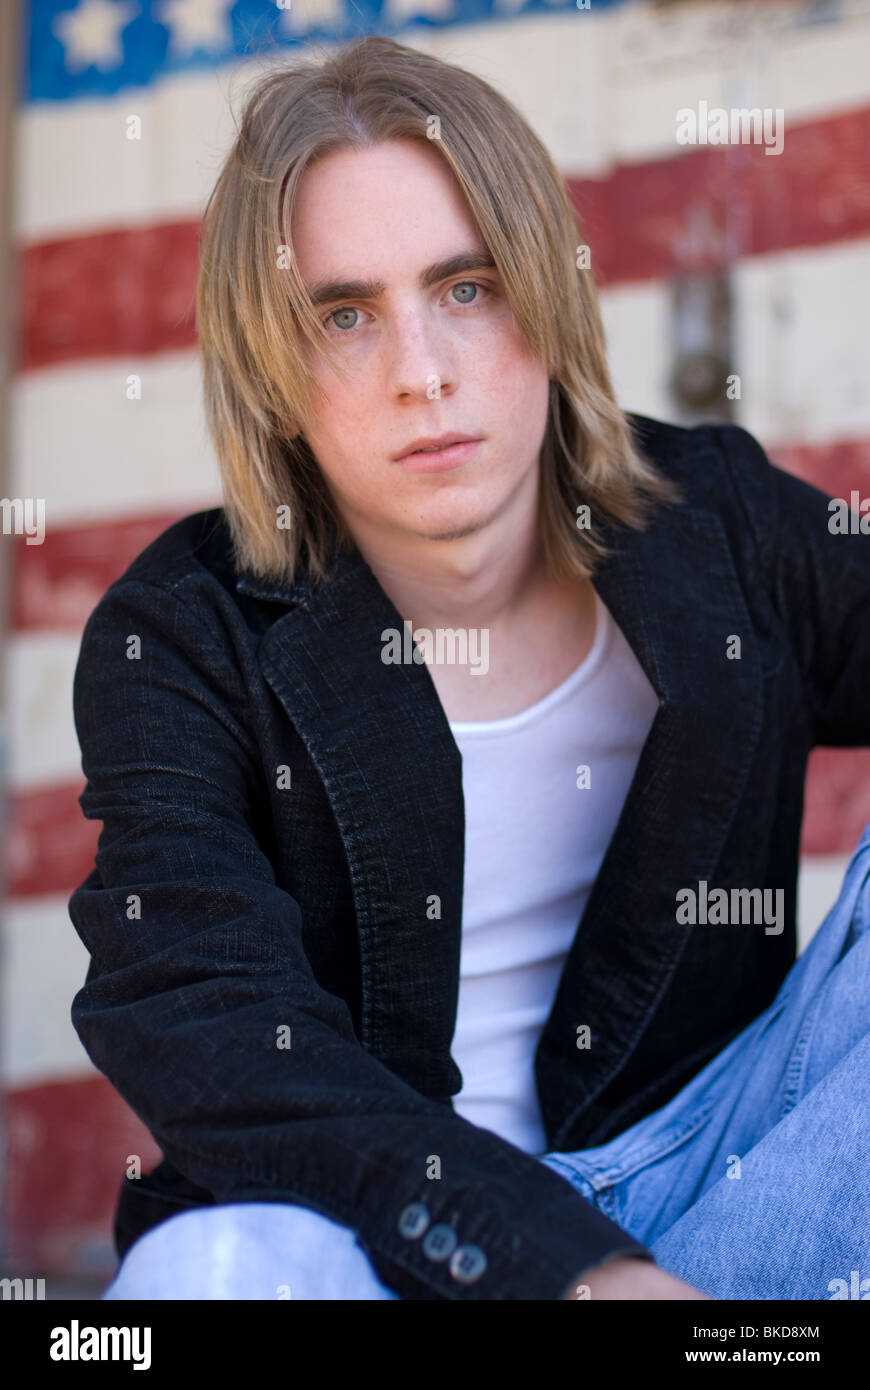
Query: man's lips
{"type": "Point", "coordinates": [438, 460]}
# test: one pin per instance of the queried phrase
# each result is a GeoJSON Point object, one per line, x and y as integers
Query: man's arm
{"type": "Point", "coordinates": [819, 582]}
{"type": "Point", "coordinates": [199, 973]}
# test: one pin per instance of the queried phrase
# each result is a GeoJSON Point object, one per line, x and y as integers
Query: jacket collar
{"type": "Point", "coordinates": [393, 774]}
{"type": "Point", "coordinates": [345, 566]}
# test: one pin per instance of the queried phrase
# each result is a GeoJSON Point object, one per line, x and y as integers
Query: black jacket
{"type": "Point", "coordinates": [224, 906]}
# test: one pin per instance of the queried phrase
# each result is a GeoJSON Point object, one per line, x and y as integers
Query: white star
{"type": "Point", "coordinates": [301, 16]}
{"type": "Point", "coordinates": [194, 24]}
{"type": "Point", "coordinates": [91, 34]}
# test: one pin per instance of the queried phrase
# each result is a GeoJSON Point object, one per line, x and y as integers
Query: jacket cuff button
{"type": "Point", "coordinates": [467, 1263]}
{"type": "Point", "coordinates": [413, 1220]}
{"type": "Point", "coordinates": [440, 1242]}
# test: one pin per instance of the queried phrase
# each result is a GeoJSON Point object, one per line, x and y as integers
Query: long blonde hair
{"type": "Point", "coordinates": [254, 315]}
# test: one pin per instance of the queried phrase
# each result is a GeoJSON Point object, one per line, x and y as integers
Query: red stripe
{"type": "Point", "coordinates": [132, 291]}
{"type": "Point", "coordinates": [50, 844]}
{"type": "Point", "coordinates": [710, 205]}
{"type": "Point", "coordinates": [836, 467]}
{"type": "Point", "coordinates": [56, 585]}
{"type": "Point", "coordinates": [111, 294]}
{"type": "Point", "coordinates": [837, 801]}
{"type": "Point", "coordinates": [67, 1145]}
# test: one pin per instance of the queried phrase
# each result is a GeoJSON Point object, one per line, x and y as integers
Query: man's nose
{"type": "Point", "coordinates": [421, 362]}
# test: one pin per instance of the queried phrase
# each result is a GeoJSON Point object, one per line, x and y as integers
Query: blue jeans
{"type": "Point", "coordinates": [751, 1183]}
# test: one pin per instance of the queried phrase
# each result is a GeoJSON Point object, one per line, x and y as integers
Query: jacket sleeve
{"type": "Point", "coordinates": [819, 580]}
{"type": "Point", "coordinates": [198, 974]}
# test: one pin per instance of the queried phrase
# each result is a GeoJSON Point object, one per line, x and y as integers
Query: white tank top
{"type": "Point", "coordinates": [534, 843]}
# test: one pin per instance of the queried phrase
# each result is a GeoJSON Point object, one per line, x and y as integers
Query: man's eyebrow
{"type": "Point", "coordinates": [328, 291]}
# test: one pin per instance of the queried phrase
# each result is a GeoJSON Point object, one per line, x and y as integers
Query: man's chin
{"type": "Point", "coordinates": [453, 533]}
{"type": "Point", "coordinates": [455, 523]}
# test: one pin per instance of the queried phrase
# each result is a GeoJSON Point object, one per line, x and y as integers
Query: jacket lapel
{"type": "Point", "coordinates": [382, 745]}
{"type": "Point", "coordinates": [674, 592]}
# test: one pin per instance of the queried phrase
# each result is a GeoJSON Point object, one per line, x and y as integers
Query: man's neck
{"type": "Point", "coordinates": [476, 581]}
{"type": "Point", "coordinates": [531, 629]}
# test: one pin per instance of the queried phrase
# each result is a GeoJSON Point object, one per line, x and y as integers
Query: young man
{"type": "Point", "coordinates": [400, 954]}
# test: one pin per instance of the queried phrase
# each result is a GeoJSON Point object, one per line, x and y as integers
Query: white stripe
{"type": "Point", "coordinates": [597, 87]}
{"type": "Point", "coordinates": [734, 55]}
{"type": "Point", "coordinates": [820, 878]}
{"type": "Point", "coordinates": [638, 333]}
{"type": "Point", "coordinates": [91, 453]}
{"type": "Point", "coordinates": [43, 750]}
{"type": "Point", "coordinates": [79, 172]}
{"type": "Point", "coordinates": [801, 342]}
{"type": "Point", "coordinates": [801, 348]}
{"type": "Point", "coordinates": [44, 964]}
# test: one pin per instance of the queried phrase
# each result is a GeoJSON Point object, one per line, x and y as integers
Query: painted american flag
{"type": "Point", "coordinates": [124, 115]}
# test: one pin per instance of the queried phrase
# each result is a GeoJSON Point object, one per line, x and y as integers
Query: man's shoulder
{"type": "Point", "coordinates": [178, 595]}
{"type": "Point", "coordinates": [702, 454]}
{"type": "Point", "coordinates": [195, 545]}
{"type": "Point", "coordinates": [187, 568]}
{"type": "Point", "coordinates": [719, 466]}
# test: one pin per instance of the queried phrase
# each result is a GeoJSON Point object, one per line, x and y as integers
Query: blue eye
{"type": "Point", "coordinates": [336, 312]}
{"type": "Point", "coordinates": [466, 285]}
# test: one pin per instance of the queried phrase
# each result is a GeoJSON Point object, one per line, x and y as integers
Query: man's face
{"type": "Point", "coordinates": [387, 214]}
